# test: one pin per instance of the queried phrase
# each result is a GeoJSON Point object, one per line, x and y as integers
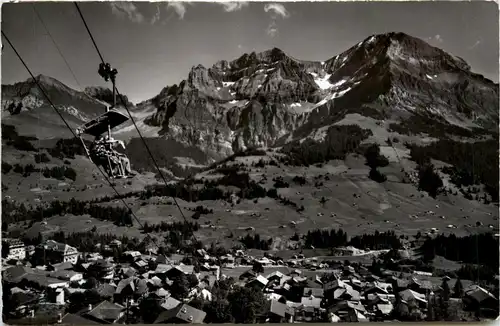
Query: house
{"type": "Point", "coordinates": [115, 243]}
{"type": "Point", "coordinates": [45, 282]}
{"type": "Point", "coordinates": [408, 295]}
{"type": "Point", "coordinates": [52, 252]}
{"type": "Point", "coordinates": [278, 312]}
{"type": "Point", "coordinates": [102, 269]}
{"type": "Point", "coordinates": [140, 264]}
{"type": "Point", "coordinates": [65, 275]}
{"type": "Point", "coordinates": [131, 287]}
{"type": "Point", "coordinates": [74, 319]}
{"type": "Point", "coordinates": [105, 312]}
{"type": "Point", "coordinates": [57, 296]}
{"type": "Point", "coordinates": [317, 293]}
{"type": "Point", "coordinates": [15, 274]}
{"type": "Point", "coordinates": [479, 299]}
{"type": "Point", "coordinates": [259, 282]}
{"type": "Point", "coordinates": [249, 274]}
{"type": "Point", "coordinates": [275, 276]}
{"type": "Point", "coordinates": [311, 301]}
{"type": "Point", "coordinates": [161, 293]}
{"type": "Point", "coordinates": [16, 247]}
{"type": "Point", "coordinates": [132, 254]}
{"type": "Point", "coordinates": [182, 314]}
{"type": "Point", "coordinates": [170, 303]}
{"type": "Point", "coordinates": [179, 270]}
{"type": "Point", "coordinates": [106, 290]}
{"type": "Point", "coordinates": [349, 311]}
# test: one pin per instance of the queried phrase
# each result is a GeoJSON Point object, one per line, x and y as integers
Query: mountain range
{"type": "Point", "coordinates": [389, 82]}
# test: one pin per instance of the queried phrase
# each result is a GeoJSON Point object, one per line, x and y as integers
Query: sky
{"type": "Point", "coordinates": [154, 45]}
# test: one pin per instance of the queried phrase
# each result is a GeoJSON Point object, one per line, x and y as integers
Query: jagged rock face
{"type": "Point", "coordinates": [268, 98]}
{"type": "Point", "coordinates": [106, 95]}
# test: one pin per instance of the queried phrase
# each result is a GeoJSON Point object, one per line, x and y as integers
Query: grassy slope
{"type": "Point", "coordinates": [380, 207]}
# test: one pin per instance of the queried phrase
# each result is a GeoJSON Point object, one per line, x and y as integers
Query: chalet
{"type": "Point", "coordinates": [170, 303]}
{"type": "Point", "coordinates": [278, 312]}
{"type": "Point", "coordinates": [349, 311]}
{"type": "Point", "coordinates": [478, 299]}
{"type": "Point", "coordinates": [102, 269]}
{"type": "Point", "coordinates": [275, 276]}
{"type": "Point", "coordinates": [408, 295]}
{"type": "Point", "coordinates": [74, 319]}
{"type": "Point", "coordinates": [105, 313]}
{"type": "Point", "coordinates": [50, 252]}
{"type": "Point", "coordinates": [316, 292]}
{"type": "Point", "coordinates": [42, 281]}
{"type": "Point", "coordinates": [311, 301]}
{"type": "Point", "coordinates": [106, 290]}
{"type": "Point", "coordinates": [259, 282]}
{"type": "Point", "coordinates": [182, 314]}
{"type": "Point", "coordinates": [179, 270]}
{"type": "Point", "coordinates": [65, 275]}
{"type": "Point", "coordinates": [131, 287]}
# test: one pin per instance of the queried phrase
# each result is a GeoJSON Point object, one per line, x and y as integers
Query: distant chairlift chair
{"type": "Point", "coordinates": [102, 151]}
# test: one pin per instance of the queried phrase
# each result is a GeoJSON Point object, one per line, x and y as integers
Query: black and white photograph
{"type": "Point", "coordinates": [249, 162]}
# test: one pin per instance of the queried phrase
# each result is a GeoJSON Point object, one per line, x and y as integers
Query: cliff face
{"type": "Point", "coordinates": [268, 98]}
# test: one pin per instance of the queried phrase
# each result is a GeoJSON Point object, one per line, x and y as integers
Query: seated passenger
{"type": "Point", "coordinates": [124, 161]}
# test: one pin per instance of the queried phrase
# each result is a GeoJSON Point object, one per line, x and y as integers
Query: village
{"type": "Point", "coordinates": [55, 283]}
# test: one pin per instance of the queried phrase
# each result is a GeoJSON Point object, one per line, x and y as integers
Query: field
{"type": "Point", "coordinates": [353, 202]}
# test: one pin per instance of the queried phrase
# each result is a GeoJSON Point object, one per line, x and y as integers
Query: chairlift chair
{"type": "Point", "coordinates": [97, 127]}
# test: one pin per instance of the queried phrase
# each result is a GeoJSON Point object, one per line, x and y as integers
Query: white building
{"type": "Point", "coordinates": [54, 252]}
{"type": "Point", "coordinates": [17, 250]}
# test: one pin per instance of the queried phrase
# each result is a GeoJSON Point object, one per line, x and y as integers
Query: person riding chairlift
{"type": "Point", "coordinates": [105, 149]}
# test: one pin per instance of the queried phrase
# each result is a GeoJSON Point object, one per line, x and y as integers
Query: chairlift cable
{"type": "Point", "coordinates": [71, 130]}
{"type": "Point", "coordinates": [131, 118]}
{"type": "Point", "coordinates": [57, 47]}
{"type": "Point", "coordinates": [39, 141]}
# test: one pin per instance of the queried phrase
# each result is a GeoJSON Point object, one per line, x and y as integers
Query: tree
{"type": "Point", "coordinates": [377, 176]}
{"type": "Point", "coordinates": [458, 289]}
{"type": "Point", "coordinates": [197, 303]}
{"type": "Point", "coordinates": [5, 226]}
{"type": "Point", "coordinates": [245, 304]}
{"type": "Point", "coordinates": [91, 283]}
{"type": "Point", "coordinates": [180, 286]}
{"type": "Point", "coordinates": [149, 309]}
{"type": "Point", "coordinates": [429, 180]}
{"type": "Point", "coordinates": [218, 312]}
{"type": "Point", "coordinates": [5, 249]}
{"type": "Point", "coordinates": [444, 299]}
{"type": "Point", "coordinates": [257, 267]}
{"type": "Point", "coordinates": [373, 157]}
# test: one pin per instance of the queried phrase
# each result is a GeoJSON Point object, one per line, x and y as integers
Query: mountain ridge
{"type": "Point", "coordinates": [269, 98]}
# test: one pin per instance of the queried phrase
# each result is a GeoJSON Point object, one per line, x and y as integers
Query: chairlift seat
{"type": "Point", "coordinates": [99, 125]}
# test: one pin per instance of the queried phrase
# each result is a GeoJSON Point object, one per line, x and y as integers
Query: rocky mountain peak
{"type": "Point", "coordinates": [105, 94]}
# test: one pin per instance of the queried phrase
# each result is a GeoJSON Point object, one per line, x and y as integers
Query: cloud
{"type": "Point", "coordinates": [178, 7]}
{"type": "Point", "coordinates": [272, 31]}
{"type": "Point", "coordinates": [276, 9]}
{"type": "Point", "coordinates": [233, 6]}
{"type": "Point", "coordinates": [438, 38]}
{"type": "Point", "coordinates": [240, 46]}
{"type": "Point", "coordinates": [127, 10]}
